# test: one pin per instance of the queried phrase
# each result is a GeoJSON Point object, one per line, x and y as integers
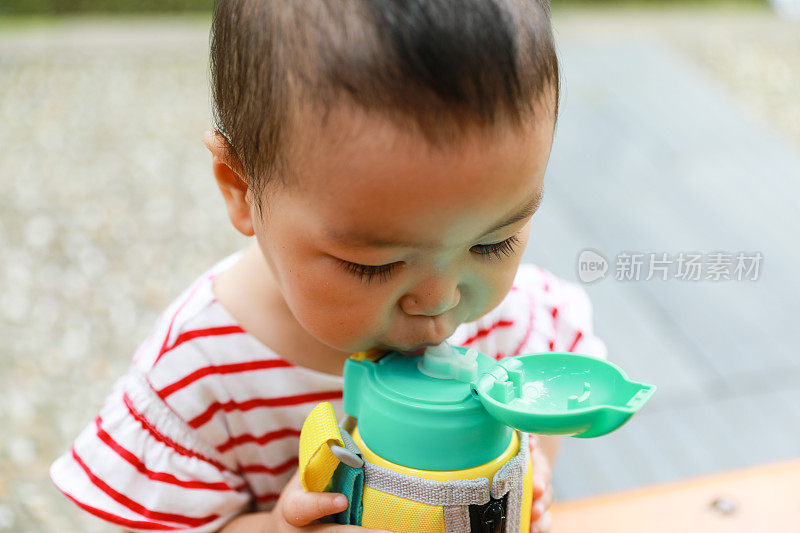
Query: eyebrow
{"type": "Point", "coordinates": [358, 238]}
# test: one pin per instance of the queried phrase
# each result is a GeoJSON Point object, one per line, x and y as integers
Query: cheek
{"type": "Point", "coordinates": [496, 280]}
{"type": "Point", "coordinates": [498, 284]}
{"type": "Point", "coordinates": [334, 309]}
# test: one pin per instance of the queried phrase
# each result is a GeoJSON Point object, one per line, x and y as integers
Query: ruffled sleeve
{"type": "Point", "coordinates": [141, 467]}
{"type": "Point", "coordinates": [573, 323]}
{"type": "Point", "coordinates": [541, 313]}
{"type": "Point", "coordinates": [563, 313]}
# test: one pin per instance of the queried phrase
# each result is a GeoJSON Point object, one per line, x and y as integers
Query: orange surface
{"type": "Point", "coordinates": [766, 499]}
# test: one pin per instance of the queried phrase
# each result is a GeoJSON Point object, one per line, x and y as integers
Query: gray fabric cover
{"type": "Point", "coordinates": [454, 496]}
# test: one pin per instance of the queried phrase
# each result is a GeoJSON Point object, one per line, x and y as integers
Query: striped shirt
{"type": "Point", "coordinates": [206, 423]}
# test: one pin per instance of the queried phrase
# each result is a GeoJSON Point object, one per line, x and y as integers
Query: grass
{"type": "Point", "coordinates": [61, 7]}
{"type": "Point", "coordinates": [25, 14]}
{"type": "Point", "coordinates": [602, 5]}
{"type": "Point", "coordinates": [36, 21]}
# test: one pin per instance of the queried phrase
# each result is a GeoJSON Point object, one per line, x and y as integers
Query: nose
{"type": "Point", "coordinates": [432, 297]}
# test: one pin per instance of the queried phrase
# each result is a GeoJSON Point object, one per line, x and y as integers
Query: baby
{"type": "Point", "coordinates": [388, 158]}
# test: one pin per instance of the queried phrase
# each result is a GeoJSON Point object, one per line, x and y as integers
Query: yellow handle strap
{"type": "Point", "coordinates": [320, 430]}
{"type": "Point", "coordinates": [372, 355]}
{"type": "Point", "coordinates": [317, 462]}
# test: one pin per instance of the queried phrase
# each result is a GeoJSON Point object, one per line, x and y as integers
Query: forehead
{"type": "Point", "coordinates": [361, 178]}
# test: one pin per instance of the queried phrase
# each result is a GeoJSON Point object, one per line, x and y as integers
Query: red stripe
{"type": "Point", "coordinates": [263, 439]}
{"type": "Point", "coordinates": [268, 497]}
{"type": "Point", "coordinates": [137, 507]}
{"type": "Point", "coordinates": [199, 333]}
{"type": "Point", "coordinates": [221, 369]}
{"type": "Point", "coordinates": [165, 440]}
{"type": "Point", "coordinates": [164, 349]}
{"type": "Point", "coordinates": [115, 519]}
{"type": "Point", "coordinates": [554, 314]}
{"type": "Point", "coordinates": [274, 470]}
{"type": "Point", "coordinates": [263, 402]}
{"type": "Point", "coordinates": [155, 476]}
{"type": "Point", "coordinates": [484, 332]}
{"type": "Point", "coordinates": [529, 330]}
{"type": "Point", "coordinates": [575, 342]}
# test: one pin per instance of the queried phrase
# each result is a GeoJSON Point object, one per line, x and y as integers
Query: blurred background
{"type": "Point", "coordinates": [679, 132]}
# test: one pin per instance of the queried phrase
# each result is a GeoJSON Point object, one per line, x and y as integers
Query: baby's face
{"type": "Point", "coordinates": [386, 242]}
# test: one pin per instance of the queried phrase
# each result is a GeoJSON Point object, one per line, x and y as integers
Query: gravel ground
{"type": "Point", "coordinates": [759, 59]}
{"type": "Point", "coordinates": [750, 50]}
{"type": "Point", "coordinates": [108, 211]}
{"type": "Point", "coordinates": [108, 208]}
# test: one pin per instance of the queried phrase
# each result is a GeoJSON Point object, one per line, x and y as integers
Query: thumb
{"type": "Point", "coordinates": [300, 508]}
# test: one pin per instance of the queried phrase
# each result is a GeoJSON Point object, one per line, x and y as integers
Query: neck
{"type": "Point", "coordinates": [250, 293]}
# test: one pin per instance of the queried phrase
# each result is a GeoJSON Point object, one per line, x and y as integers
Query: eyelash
{"type": "Point", "coordinates": [369, 272]}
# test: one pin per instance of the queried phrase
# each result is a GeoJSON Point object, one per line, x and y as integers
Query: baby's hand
{"type": "Point", "coordinates": [297, 509]}
{"type": "Point", "coordinates": [541, 520]}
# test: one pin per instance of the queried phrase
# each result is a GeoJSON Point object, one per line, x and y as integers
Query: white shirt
{"type": "Point", "coordinates": [206, 423]}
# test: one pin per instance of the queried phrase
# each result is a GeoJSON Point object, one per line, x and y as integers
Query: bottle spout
{"type": "Point", "coordinates": [445, 362]}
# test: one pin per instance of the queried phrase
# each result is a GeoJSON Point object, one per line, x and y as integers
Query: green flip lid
{"type": "Point", "coordinates": [454, 408]}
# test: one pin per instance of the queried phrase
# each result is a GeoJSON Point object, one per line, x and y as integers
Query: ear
{"type": "Point", "coordinates": [229, 175]}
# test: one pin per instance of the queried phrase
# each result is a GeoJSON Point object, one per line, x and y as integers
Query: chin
{"type": "Point", "coordinates": [415, 349]}
{"type": "Point", "coordinates": [415, 353]}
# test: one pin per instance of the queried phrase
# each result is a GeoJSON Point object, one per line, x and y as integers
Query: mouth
{"type": "Point", "coordinates": [413, 353]}
{"type": "Point", "coordinates": [419, 350]}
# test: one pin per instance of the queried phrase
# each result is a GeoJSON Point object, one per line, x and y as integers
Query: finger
{"type": "Point", "coordinates": [301, 508]}
{"type": "Point", "coordinates": [541, 505]}
{"type": "Point", "coordinates": [544, 524]}
{"type": "Point", "coordinates": [547, 498]}
{"type": "Point", "coordinates": [538, 488]}
{"type": "Point", "coordinates": [540, 482]}
{"type": "Point", "coordinates": [537, 511]}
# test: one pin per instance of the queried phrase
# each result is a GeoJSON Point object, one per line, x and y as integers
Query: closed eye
{"type": "Point", "coordinates": [499, 249]}
{"type": "Point", "coordinates": [368, 273]}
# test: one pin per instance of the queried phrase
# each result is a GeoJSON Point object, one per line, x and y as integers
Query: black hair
{"type": "Point", "coordinates": [439, 66]}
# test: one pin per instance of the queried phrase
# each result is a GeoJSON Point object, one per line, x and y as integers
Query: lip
{"type": "Point", "coordinates": [414, 353]}
{"type": "Point", "coordinates": [419, 349]}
